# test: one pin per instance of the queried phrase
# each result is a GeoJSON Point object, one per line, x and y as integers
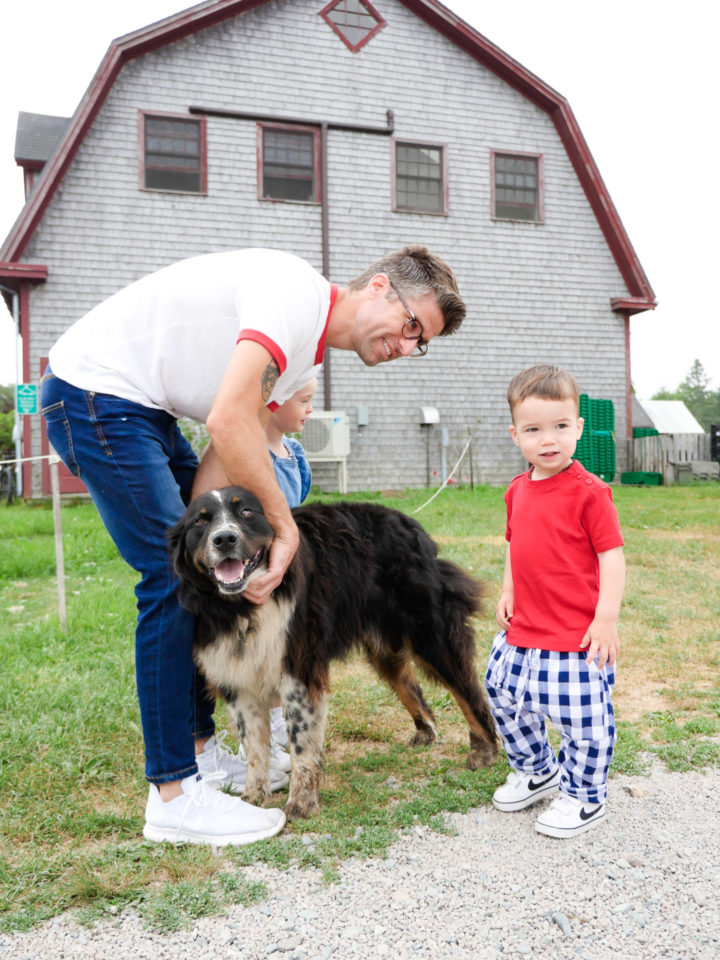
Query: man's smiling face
{"type": "Point", "coordinates": [380, 319]}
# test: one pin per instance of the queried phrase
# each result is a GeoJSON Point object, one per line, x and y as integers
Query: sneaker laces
{"type": "Point", "coordinates": [277, 725]}
{"type": "Point", "coordinates": [219, 752]}
{"type": "Point", "coordinates": [206, 792]}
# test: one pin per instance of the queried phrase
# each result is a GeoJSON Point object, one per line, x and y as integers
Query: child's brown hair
{"type": "Point", "coordinates": [543, 380]}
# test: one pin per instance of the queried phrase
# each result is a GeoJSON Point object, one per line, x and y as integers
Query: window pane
{"type": "Point", "coordinates": [288, 165]}
{"type": "Point", "coordinates": [419, 178]}
{"type": "Point", "coordinates": [173, 154]}
{"type": "Point", "coordinates": [353, 19]}
{"type": "Point", "coordinates": [516, 187]}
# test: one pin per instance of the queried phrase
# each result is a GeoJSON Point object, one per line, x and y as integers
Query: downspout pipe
{"type": "Point", "coordinates": [325, 227]}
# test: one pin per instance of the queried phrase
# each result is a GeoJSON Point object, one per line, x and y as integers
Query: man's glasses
{"type": "Point", "coordinates": [412, 328]}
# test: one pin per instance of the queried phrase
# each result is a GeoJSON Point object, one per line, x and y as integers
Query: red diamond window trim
{"type": "Point", "coordinates": [351, 16]}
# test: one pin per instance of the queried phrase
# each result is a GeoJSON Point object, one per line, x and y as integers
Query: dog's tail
{"type": "Point", "coordinates": [462, 593]}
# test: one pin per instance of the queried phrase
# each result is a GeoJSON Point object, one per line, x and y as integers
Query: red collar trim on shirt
{"type": "Point", "coordinates": [321, 342]}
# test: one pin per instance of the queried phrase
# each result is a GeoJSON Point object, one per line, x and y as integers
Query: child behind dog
{"type": "Point", "coordinates": [294, 476]}
{"type": "Point", "coordinates": [561, 595]}
{"type": "Point", "coordinates": [292, 469]}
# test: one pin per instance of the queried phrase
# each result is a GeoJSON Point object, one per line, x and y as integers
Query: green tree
{"type": "Point", "coordinates": [7, 419]}
{"type": "Point", "coordinates": [7, 398]}
{"type": "Point", "coordinates": [695, 392]}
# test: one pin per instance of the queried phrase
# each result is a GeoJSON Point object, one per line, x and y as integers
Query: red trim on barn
{"type": "Point", "coordinates": [14, 274]}
{"type": "Point", "coordinates": [380, 23]}
{"type": "Point", "coordinates": [631, 305]}
{"type": "Point", "coordinates": [628, 382]}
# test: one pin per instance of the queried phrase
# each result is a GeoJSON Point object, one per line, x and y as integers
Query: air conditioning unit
{"type": "Point", "coordinates": [326, 434]}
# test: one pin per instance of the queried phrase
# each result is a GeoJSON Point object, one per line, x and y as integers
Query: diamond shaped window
{"type": "Point", "coordinates": [354, 21]}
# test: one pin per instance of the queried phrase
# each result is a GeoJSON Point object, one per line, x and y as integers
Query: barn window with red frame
{"type": "Point", "coordinates": [174, 154]}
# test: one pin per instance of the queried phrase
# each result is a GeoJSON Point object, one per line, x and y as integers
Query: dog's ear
{"type": "Point", "coordinates": [178, 553]}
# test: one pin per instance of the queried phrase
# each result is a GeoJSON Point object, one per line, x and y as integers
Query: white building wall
{"type": "Point", "coordinates": [535, 292]}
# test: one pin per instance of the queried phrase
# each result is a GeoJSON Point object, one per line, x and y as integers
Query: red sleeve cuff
{"type": "Point", "coordinates": [273, 349]}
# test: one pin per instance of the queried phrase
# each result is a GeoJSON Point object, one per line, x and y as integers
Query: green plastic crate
{"type": "Point", "coordinates": [642, 478]}
{"type": "Point", "coordinates": [596, 448]}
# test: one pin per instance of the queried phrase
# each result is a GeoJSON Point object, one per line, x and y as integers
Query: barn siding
{"type": "Point", "coordinates": [535, 292]}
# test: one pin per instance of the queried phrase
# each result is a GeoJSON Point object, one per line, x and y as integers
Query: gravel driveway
{"type": "Point", "coordinates": [644, 886]}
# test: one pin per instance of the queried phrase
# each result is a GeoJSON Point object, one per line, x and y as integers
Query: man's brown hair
{"type": "Point", "coordinates": [543, 380]}
{"type": "Point", "coordinates": [416, 272]}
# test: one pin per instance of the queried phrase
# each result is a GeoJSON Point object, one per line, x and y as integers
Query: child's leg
{"type": "Point", "coordinates": [520, 726]}
{"type": "Point", "coordinates": [577, 700]}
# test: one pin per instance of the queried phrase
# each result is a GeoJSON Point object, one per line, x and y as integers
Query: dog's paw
{"type": "Point", "coordinates": [256, 795]}
{"type": "Point", "coordinates": [422, 738]}
{"type": "Point", "coordinates": [297, 810]}
{"type": "Point", "coordinates": [482, 756]}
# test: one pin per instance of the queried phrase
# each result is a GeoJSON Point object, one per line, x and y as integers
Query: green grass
{"type": "Point", "coordinates": [71, 762]}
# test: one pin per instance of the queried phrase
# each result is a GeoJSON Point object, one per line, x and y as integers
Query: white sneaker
{"type": "Point", "coordinates": [520, 790]}
{"type": "Point", "coordinates": [204, 814]}
{"type": "Point", "coordinates": [219, 758]}
{"type": "Point", "coordinates": [567, 817]}
{"type": "Point", "coordinates": [278, 727]}
{"type": "Point", "coordinates": [279, 758]}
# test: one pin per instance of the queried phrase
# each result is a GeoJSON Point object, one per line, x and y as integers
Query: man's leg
{"type": "Point", "coordinates": [123, 453]}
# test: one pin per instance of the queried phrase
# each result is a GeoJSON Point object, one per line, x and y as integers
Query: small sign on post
{"type": "Point", "coordinates": [26, 398]}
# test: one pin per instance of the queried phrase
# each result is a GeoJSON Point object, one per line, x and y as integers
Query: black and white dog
{"type": "Point", "coordinates": [364, 576]}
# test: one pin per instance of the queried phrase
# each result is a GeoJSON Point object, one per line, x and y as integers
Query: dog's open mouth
{"type": "Point", "coordinates": [231, 575]}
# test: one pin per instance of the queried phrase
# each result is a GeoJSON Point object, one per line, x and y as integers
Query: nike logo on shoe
{"type": "Point", "coordinates": [589, 814]}
{"type": "Point", "coordinates": [533, 785]}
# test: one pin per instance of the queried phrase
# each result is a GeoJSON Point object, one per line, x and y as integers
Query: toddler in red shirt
{"type": "Point", "coordinates": [564, 576]}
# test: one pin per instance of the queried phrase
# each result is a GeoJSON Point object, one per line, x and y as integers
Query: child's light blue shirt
{"type": "Point", "coordinates": [293, 473]}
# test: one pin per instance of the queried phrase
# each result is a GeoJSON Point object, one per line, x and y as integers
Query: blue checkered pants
{"type": "Point", "coordinates": [526, 686]}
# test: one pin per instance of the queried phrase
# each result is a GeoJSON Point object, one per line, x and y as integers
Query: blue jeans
{"type": "Point", "coordinates": [139, 469]}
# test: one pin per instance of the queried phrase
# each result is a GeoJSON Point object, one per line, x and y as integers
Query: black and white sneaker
{"type": "Point", "coordinates": [521, 790]}
{"type": "Point", "coordinates": [568, 817]}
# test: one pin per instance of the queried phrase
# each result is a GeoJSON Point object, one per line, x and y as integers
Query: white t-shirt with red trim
{"type": "Point", "coordinates": [166, 340]}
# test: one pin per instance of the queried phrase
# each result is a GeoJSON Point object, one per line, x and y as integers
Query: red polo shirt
{"type": "Point", "coordinates": [556, 528]}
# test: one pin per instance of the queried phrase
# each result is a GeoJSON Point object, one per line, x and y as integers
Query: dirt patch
{"type": "Point", "coordinates": [701, 536]}
{"type": "Point", "coordinates": [635, 696]}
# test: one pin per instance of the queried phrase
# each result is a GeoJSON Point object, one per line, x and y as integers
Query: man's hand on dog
{"type": "Point", "coordinates": [283, 549]}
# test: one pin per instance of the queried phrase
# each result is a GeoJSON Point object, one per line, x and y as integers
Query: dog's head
{"type": "Point", "coordinates": [222, 539]}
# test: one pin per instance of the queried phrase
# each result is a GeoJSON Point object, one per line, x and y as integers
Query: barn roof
{"type": "Point", "coordinates": [186, 22]}
{"type": "Point", "coordinates": [36, 137]}
{"type": "Point", "coordinates": [670, 416]}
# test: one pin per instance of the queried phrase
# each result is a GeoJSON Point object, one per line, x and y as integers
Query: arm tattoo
{"type": "Point", "coordinates": [269, 379]}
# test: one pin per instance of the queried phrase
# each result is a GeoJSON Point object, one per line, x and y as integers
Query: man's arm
{"type": "Point", "coordinates": [238, 454]}
{"type": "Point", "coordinates": [602, 637]}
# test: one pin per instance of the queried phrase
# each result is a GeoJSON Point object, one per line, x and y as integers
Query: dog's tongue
{"type": "Point", "coordinates": [228, 571]}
